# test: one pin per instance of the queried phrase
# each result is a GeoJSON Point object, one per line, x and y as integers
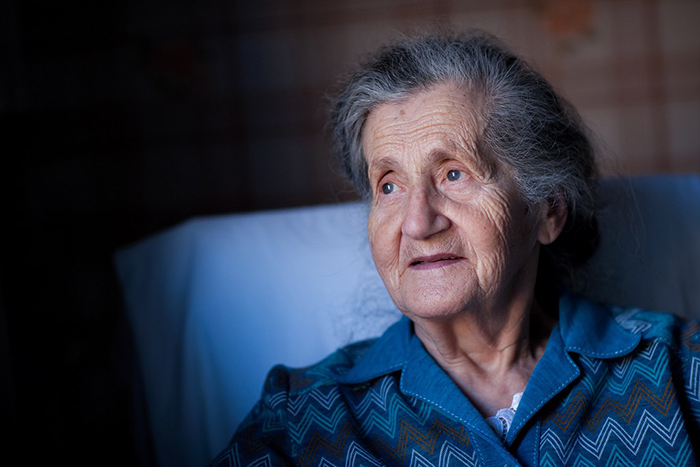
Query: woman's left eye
{"type": "Point", "coordinates": [388, 188]}
{"type": "Point", "coordinates": [454, 175]}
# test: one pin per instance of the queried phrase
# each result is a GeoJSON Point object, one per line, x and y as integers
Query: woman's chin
{"type": "Point", "coordinates": [435, 306]}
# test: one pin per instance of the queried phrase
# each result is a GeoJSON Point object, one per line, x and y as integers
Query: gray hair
{"type": "Point", "coordinates": [528, 126]}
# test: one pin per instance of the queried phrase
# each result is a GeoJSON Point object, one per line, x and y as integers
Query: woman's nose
{"type": "Point", "coordinates": [423, 216]}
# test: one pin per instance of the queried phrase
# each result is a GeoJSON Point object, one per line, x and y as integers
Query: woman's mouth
{"type": "Point", "coordinates": [434, 261]}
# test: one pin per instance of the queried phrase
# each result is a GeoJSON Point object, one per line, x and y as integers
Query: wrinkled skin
{"type": "Point", "coordinates": [454, 241]}
{"type": "Point", "coordinates": [475, 215]}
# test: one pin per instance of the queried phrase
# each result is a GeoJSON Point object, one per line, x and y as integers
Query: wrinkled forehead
{"type": "Point", "coordinates": [444, 120]}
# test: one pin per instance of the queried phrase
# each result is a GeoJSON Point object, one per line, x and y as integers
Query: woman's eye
{"type": "Point", "coordinates": [388, 188]}
{"type": "Point", "coordinates": [454, 175]}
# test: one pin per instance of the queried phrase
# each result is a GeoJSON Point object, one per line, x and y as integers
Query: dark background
{"type": "Point", "coordinates": [119, 119]}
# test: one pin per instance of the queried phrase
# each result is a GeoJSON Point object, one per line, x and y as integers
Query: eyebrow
{"type": "Point", "coordinates": [483, 167]}
{"type": "Point", "coordinates": [382, 164]}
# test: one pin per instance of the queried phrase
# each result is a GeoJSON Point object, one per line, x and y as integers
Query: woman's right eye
{"type": "Point", "coordinates": [388, 188]}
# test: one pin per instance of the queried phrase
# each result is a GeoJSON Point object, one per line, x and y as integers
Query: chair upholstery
{"type": "Point", "coordinates": [215, 302]}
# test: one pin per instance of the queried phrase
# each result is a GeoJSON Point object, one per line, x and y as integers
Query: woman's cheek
{"type": "Point", "coordinates": [384, 228]}
{"type": "Point", "coordinates": [461, 191]}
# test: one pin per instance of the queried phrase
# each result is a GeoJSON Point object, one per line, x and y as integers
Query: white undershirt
{"type": "Point", "coordinates": [503, 419]}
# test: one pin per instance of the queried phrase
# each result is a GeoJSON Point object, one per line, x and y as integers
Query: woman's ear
{"type": "Point", "coordinates": [553, 218]}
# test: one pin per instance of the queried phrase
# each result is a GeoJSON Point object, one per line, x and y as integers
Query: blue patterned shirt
{"type": "Point", "coordinates": [613, 387]}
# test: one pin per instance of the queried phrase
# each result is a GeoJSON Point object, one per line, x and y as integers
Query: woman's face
{"type": "Point", "coordinates": [448, 230]}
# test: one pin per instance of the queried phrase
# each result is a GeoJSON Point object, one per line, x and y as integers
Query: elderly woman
{"type": "Point", "coordinates": [480, 181]}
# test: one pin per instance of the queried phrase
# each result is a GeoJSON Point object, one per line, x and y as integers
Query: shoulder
{"type": "Point", "coordinates": [327, 372]}
{"type": "Point", "coordinates": [354, 364]}
{"type": "Point", "coordinates": [676, 332]}
{"type": "Point", "coordinates": [672, 342]}
{"type": "Point", "coordinates": [671, 339]}
{"type": "Point", "coordinates": [606, 331]}
{"type": "Point", "coordinates": [293, 400]}
{"type": "Point", "coordinates": [286, 386]}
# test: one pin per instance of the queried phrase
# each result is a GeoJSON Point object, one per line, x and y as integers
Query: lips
{"type": "Point", "coordinates": [440, 259]}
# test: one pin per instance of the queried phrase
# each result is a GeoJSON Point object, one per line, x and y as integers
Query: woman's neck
{"type": "Point", "coordinates": [490, 354]}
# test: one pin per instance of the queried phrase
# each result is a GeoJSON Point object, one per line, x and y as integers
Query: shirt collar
{"type": "Point", "coordinates": [586, 328]}
{"type": "Point", "coordinates": [399, 349]}
{"type": "Point", "coordinates": [389, 353]}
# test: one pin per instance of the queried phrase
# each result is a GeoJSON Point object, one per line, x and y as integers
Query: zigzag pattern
{"type": "Point", "coordinates": [630, 369]}
{"type": "Point", "coordinates": [577, 404]}
{"type": "Point", "coordinates": [325, 399]}
{"type": "Point", "coordinates": [315, 418]}
{"type": "Point", "coordinates": [593, 364]}
{"type": "Point", "coordinates": [640, 393]}
{"type": "Point", "coordinates": [452, 456]}
{"type": "Point", "coordinates": [449, 456]}
{"type": "Point", "coordinates": [408, 434]}
{"type": "Point", "coordinates": [619, 412]}
{"type": "Point", "coordinates": [627, 371]}
{"type": "Point", "coordinates": [693, 386]}
{"type": "Point", "coordinates": [387, 419]}
{"type": "Point", "coordinates": [690, 338]}
{"type": "Point", "coordinates": [596, 445]}
{"type": "Point", "coordinates": [329, 422]}
{"type": "Point", "coordinates": [375, 397]}
{"type": "Point", "coordinates": [232, 459]}
{"type": "Point", "coordinates": [358, 457]}
{"type": "Point", "coordinates": [321, 443]}
{"type": "Point", "coordinates": [627, 412]}
{"type": "Point", "coordinates": [379, 409]}
{"type": "Point", "coordinates": [653, 455]}
{"type": "Point", "coordinates": [625, 318]}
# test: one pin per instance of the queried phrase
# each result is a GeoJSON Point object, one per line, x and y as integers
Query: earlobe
{"type": "Point", "coordinates": [554, 214]}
